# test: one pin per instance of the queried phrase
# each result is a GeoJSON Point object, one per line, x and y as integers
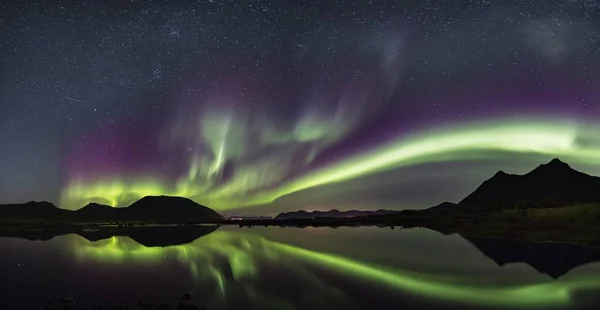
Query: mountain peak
{"type": "Point", "coordinates": [557, 162]}
{"type": "Point", "coordinates": [500, 173]}
{"type": "Point", "coordinates": [500, 176]}
{"type": "Point", "coordinates": [555, 165]}
{"type": "Point", "coordinates": [552, 183]}
{"type": "Point", "coordinates": [40, 205]}
{"type": "Point", "coordinates": [95, 206]}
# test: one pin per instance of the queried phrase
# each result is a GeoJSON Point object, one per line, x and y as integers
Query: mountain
{"type": "Point", "coordinates": [332, 213]}
{"type": "Point", "coordinates": [551, 184]}
{"type": "Point", "coordinates": [444, 206]}
{"type": "Point", "coordinates": [32, 210]}
{"type": "Point", "coordinates": [147, 209]}
{"type": "Point", "coordinates": [96, 212]}
{"type": "Point", "coordinates": [169, 208]}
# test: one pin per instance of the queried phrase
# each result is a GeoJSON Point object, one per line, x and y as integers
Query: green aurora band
{"type": "Point", "coordinates": [570, 140]}
{"type": "Point", "coordinates": [243, 254]}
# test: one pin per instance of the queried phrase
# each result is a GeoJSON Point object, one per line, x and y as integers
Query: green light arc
{"type": "Point", "coordinates": [558, 138]}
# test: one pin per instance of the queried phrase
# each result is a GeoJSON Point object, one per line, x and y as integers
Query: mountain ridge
{"type": "Point", "coordinates": [148, 208]}
{"type": "Point", "coordinates": [553, 183]}
{"type": "Point", "coordinates": [549, 184]}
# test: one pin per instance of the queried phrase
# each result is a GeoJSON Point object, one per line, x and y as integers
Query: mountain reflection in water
{"type": "Point", "coordinates": [239, 265]}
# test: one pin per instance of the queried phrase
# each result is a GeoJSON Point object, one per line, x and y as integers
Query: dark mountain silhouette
{"type": "Point", "coordinates": [551, 184]}
{"type": "Point", "coordinates": [147, 209]}
{"type": "Point", "coordinates": [332, 213]}
{"type": "Point", "coordinates": [444, 206]}
{"type": "Point", "coordinates": [168, 208]}
{"type": "Point", "coordinates": [32, 210]}
{"type": "Point", "coordinates": [294, 214]}
{"type": "Point", "coordinates": [95, 208]}
{"type": "Point", "coordinates": [96, 212]}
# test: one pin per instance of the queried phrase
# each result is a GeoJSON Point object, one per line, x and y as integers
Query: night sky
{"type": "Point", "coordinates": [262, 107]}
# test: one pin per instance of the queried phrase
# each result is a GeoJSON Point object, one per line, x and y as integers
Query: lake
{"type": "Point", "coordinates": [300, 268]}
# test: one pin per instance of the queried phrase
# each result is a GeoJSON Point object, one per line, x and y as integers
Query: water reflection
{"type": "Point", "coordinates": [552, 259]}
{"type": "Point", "coordinates": [246, 268]}
{"type": "Point", "coordinates": [236, 265]}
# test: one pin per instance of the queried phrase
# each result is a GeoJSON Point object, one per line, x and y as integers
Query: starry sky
{"type": "Point", "coordinates": [259, 107]}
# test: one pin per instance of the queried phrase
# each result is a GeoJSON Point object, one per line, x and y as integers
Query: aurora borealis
{"type": "Point", "coordinates": [267, 106]}
{"type": "Point", "coordinates": [264, 107]}
{"type": "Point", "coordinates": [477, 141]}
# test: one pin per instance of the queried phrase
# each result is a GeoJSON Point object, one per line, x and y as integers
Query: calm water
{"type": "Point", "coordinates": [289, 268]}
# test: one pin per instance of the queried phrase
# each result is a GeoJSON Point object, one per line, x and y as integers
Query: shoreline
{"type": "Point", "coordinates": [468, 225]}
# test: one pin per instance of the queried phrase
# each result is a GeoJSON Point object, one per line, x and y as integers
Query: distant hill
{"type": "Point", "coordinates": [332, 213]}
{"type": "Point", "coordinates": [147, 209]}
{"type": "Point", "coordinates": [32, 210]}
{"type": "Point", "coordinates": [168, 208]}
{"type": "Point", "coordinates": [551, 184]}
{"type": "Point", "coordinates": [96, 212]}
